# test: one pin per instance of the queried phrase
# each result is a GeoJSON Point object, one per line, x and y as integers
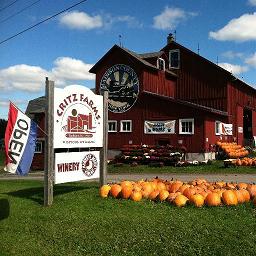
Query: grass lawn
{"type": "Point", "coordinates": [81, 223]}
{"type": "Point", "coordinates": [215, 167]}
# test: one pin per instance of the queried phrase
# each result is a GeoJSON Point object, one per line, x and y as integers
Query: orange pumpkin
{"type": "Point", "coordinates": [229, 197]}
{"type": "Point", "coordinates": [252, 190]}
{"type": "Point", "coordinates": [180, 200]}
{"type": "Point", "coordinates": [136, 196]}
{"type": "Point", "coordinates": [163, 195]}
{"type": "Point", "coordinates": [188, 192]}
{"type": "Point", "coordinates": [175, 186]}
{"type": "Point", "coordinates": [115, 190]}
{"type": "Point", "coordinates": [197, 200]}
{"type": "Point", "coordinates": [153, 195]}
{"type": "Point", "coordinates": [104, 191]}
{"type": "Point", "coordinates": [172, 196]}
{"type": "Point", "coordinates": [213, 199]}
{"type": "Point", "coordinates": [126, 192]}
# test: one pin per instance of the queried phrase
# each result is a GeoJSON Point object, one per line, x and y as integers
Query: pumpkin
{"type": "Point", "coordinates": [126, 192]}
{"type": "Point", "coordinates": [104, 191]}
{"type": "Point", "coordinates": [252, 190]}
{"type": "Point", "coordinates": [213, 199]}
{"type": "Point", "coordinates": [136, 196]}
{"type": "Point", "coordinates": [242, 185]}
{"type": "Point", "coordinates": [180, 200]}
{"type": "Point", "coordinates": [197, 200]}
{"type": "Point", "coordinates": [175, 186]}
{"type": "Point", "coordinates": [229, 197]}
{"type": "Point", "coordinates": [163, 195]}
{"type": "Point", "coordinates": [126, 183]}
{"type": "Point", "coordinates": [254, 201]}
{"type": "Point", "coordinates": [188, 192]}
{"type": "Point", "coordinates": [240, 196]}
{"type": "Point", "coordinates": [115, 190]}
{"type": "Point", "coordinates": [153, 195]}
{"type": "Point", "coordinates": [246, 195]}
{"type": "Point", "coordinates": [172, 196]}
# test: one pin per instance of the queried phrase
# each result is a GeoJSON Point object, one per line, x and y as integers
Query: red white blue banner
{"type": "Point", "coordinates": [20, 141]}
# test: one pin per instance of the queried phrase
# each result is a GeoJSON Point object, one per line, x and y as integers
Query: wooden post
{"type": "Point", "coordinates": [104, 149]}
{"type": "Point", "coordinates": [49, 152]}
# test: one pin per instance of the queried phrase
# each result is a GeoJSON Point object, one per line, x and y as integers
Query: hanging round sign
{"type": "Point", "coordinates": [123, 85]}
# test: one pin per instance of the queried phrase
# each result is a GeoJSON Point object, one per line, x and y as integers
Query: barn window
{"type": "Point", "coordinates": [186, 126]}
{"type": "Point", "coordinates": [161, 64]}
{"type": "Point", "coordinates": [112, 126]}
{"type": "Point", "coordinates": [217, 128]}
{"type": "Point", "coordinates": [39, 147]}
{"type": "Point", "coordinates": [174, 58]}
{"type": "Point", "coordinates": [126, 126]}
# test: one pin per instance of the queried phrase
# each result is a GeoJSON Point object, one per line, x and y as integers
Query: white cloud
{"type": "Point", "coordinates": [232, 55]}
{"type": "Point", "coordinates": [240, 29]}
{"type": "Point", "coordinates": [5, 102]}
{"type": "Point", "coordinates": [32, 78]}
{"type": "Point", "coordinates": [71, 69]}
{"type": "Point", "coordinates": [23, 77]}
{"type": "Point", "coordinates": [252, 2]}
{"type": "Point", "coordinates": [234, 69]}
{"type": "Point", "coordinates": [81, 20]}
{"type": "Point", "coordinates": [251, 60]}
{"type": "Point", "coordinates": [170, 18]}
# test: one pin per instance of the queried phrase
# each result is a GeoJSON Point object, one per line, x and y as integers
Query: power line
{"type": "Point", "coordinates": [39, 23]}
{"type": "Point", "coordinates": [8, 5]}
{"type": "Point", "coordinates": [22, 10]}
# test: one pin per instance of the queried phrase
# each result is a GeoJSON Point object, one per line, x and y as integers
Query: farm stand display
{"type": "Point", "coordinates": [198, 192]}
{"type": "Point", "coordinates": [150, 154]}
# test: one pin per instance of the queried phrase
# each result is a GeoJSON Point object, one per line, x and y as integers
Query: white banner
{"type": "Point", "coordinates": [159, 127]}
{"type": "Point", "coordinates": [78, 118]}
{"type": "Point", "coordinates": [226, 129]}
{"type": "Point", "coordinates": [75, 166]}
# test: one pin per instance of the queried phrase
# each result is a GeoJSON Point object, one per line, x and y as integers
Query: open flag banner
{"type": "Point", "coordinates": [20, 141]}
{"type": "Point", "coordinates": [227, 129]}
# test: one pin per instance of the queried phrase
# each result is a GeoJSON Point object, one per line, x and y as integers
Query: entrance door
{"type": "Point", "coordinates": [247, 127]}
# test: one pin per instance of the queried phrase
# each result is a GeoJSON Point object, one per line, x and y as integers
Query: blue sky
{"type": "Point", "coordinates": [66, 47]}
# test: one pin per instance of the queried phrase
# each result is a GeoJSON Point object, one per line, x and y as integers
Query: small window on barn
{"type": "Point", "coordinates": [112, 126]}
{"type": "Point", "coordinates": [126, 126]}
{"type": "Point", "coordinates": [161, 64]}
{"type": "Point", "coordinates": [39, 147]}
{"type": "Point", "coordinates": [186, 126]}
{"type": "Point", "coordinates": [174, 58]}
{"type": "Point", "coordinates": [217, 128]}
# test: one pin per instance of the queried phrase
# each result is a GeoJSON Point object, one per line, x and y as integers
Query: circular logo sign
{"type": "Point", "coordinates": [123, 85]}
{"type": "Point", "coordinates": [89, 165]}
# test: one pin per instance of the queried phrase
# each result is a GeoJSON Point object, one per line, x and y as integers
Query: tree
{"type": "Point", "coordinates": [3, 124]}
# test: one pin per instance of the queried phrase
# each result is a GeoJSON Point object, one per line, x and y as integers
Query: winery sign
{"type": "Point", "coordinates": [75, 166]}
{"type": "Point", "coordinates": [78, 118]}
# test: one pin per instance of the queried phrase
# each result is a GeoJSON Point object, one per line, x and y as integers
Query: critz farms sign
{"type": "Point", "coordinates": [78, 117]}
{"type": "Point", "coordinates": [75, 166]}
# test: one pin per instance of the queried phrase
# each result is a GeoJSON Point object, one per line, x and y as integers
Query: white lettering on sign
{"type": "Point", "coordinates": [18, 140]}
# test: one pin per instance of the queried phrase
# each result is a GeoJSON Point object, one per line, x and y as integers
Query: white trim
{"type": "Point", "coordinates": [219, 123]}
{"type": "Point", "coordinates": [112, 121]}
{"type": "Point", "coordinates": [172, 51]}
{"type": "Point", "coordinates": [186, 120]}
{"type": "Point", "coordinates": [41, 147]}
{"type": "Point", "coordinates": [158, 63]}
{"type": "Point", "coordinates": [121, 125]}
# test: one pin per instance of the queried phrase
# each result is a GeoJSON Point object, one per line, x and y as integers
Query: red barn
{"type": "Point", "coordinates": [173, 96]}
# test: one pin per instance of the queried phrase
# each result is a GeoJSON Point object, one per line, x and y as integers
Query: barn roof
{"type": "Point", "coordinates": [138, 57]}
{"type": "Point", "coordinates": [36, 106]}
{"type": "Point", "coordinates": [150, 55]}
{"type": "Point", "coordinates": [188, 103]}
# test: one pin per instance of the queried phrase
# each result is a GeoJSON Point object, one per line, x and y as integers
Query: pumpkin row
{"type": "Point", "coordinates": [232, 149]}
{"type": "Point", "coordinates": [198, 192]}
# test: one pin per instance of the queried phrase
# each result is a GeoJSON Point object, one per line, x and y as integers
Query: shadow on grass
{"type": "Point", "coordinates": [4, 208]}
{"type": "Point", "coordinates": [37, 194]}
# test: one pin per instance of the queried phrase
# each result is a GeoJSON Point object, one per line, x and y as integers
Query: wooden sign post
{"type": "Point", "coordinates": [49, 152]}
{"type": "Point", "coordinates": [104, 149]}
